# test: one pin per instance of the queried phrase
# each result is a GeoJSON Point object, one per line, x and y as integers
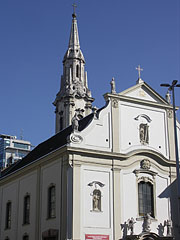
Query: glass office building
{"type": "Point", "coordinates": [12, 149]}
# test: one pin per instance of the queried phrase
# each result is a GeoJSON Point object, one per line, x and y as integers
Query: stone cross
{"type": "Point", "coordinates": [139, 70]}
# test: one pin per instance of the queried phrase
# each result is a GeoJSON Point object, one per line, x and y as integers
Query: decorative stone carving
{"type": "Point", "coordinates": [131, 223]}
{"type": "Point", "coordinates": [145, 179]}
{"type": "Point", "coordinates": [145, 164]}
{"type": "Point", "coordinates": [75, 138]}
{"type": "Point", "coordinates": [146, 222]}
{"type": "Point", "coordinates": [113, 87]}
{"type": "Point", "coordinates": [115, 103]}
{"type": "Point", "coordinates": [169, 113]}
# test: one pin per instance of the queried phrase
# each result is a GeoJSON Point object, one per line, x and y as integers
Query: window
{"type": "Point", "coordinates": [146, 199]}
{"type": "Point", "coordinates": [26, 216]}
{"type": "Point", "coordinates": [8, 216]}
{"type": "Point", "coordinates": [51, 202]}
{"type": "Point", "coordinates": [21, 145]}
{"type": "Point", "coordinates": [25, 237]}
{"type": "Point", "coordinates": [77, 70]}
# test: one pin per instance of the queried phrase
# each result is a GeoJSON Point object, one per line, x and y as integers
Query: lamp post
{"type": "Point", "coordinates": [171, 88]}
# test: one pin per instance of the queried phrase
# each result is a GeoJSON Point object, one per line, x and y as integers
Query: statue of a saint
{"type": "Point", "coordinates": [147, 223]}
{"type": "Point", "coordinates": [96, 200]}
{"type": "Point", "coordinates": [144, 133]}
{"type": "Point", "coordinates": [113, 87]}
{"type": "Point", "coordinates": [75, 123]}
{"type": "Point", "coordinates": [131, 223]}
{"type": "Point", "coordinates": [169, 228]}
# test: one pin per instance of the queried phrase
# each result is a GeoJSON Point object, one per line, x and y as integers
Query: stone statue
{"type": "Point", "coordinates": [147, 223]}
{"type": "Point", "coordinates": [96, 200]}
{"type": "Point", "coordinates": [168, 225]}
{"type": "Point", "coordinates": [113, 87]}
{"type": "Point", "coordinates": [131, 223]}
{"type": "Point", "coordinates": [168, 97]}
{"type": "Point", "coordinates": [75, 123]}
{"type": "Point", "coordinates": [144, 133]}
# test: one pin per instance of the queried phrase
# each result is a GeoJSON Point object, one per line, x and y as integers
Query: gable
{"type": "Point", "coordinates": [143, 91]}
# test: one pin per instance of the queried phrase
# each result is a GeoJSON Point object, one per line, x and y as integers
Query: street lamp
{"type": "Point", "coordinates": [171, 88]}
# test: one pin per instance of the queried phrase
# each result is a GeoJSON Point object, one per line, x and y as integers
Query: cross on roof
{"type": "Point", "coordinates": [139, 70]}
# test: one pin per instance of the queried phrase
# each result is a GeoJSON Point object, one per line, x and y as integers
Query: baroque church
{"type": "Point", "coordinates": [107, 174]}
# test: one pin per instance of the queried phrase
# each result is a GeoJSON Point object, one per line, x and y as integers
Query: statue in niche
{"type": "Point", "coordinates": [96, 198]}
{"type": "Point", "coordinates": [144, 133]}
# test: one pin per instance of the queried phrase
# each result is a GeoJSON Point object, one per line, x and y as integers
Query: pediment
{"type": "Point", "coordinates": [143, 91]}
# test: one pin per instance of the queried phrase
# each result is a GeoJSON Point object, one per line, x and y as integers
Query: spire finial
{"type": "Point", "coordinates": [74, 10]}
{"type": "Point", "coordinates": [139, 70]}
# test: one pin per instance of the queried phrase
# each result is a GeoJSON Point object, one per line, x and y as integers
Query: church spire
{"type": "Point", "coordinates": [74, 37]}
{"type": "Point", "coordinates": [74, 95]}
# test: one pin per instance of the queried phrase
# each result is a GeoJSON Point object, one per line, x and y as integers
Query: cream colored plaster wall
{"type": "Point", "coordinates": [50, 175]}
{"type": "Point", "coordinates": [27, 185]}
{"type": "Point", "coordinates": [10, 192]}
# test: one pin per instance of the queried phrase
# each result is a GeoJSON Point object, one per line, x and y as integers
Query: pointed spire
{"type": "Point", "coordinates": [74, 36]}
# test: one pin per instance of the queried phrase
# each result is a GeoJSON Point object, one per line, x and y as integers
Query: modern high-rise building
{"type": "Point", "coordinates": [12, 149]}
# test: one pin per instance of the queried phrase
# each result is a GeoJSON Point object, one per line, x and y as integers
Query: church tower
{"type": "Point", "coordinates": [74, 95]}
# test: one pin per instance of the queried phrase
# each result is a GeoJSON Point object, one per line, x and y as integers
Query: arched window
{"type": "Point", "coordinates": [8, 215]}
{"type": "Point", "coordinates": [96, 200]}
{"type": "Point", "coordinates": [52, 202]}
{"type": "Point", "coordinates": [26, 214]}
{"type": "Point", "coordinates": [146, 198]}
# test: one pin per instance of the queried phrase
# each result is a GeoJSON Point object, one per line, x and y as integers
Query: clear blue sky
{"type": "Point", "coordinates": [115, 37]}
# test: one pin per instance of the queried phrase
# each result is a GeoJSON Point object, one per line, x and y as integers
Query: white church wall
{"type": "Point", "coordinates": [129, 198]}
{"type": "Point", "coordinates": [50, 175]}
{"type": "Point", "coordinates": [9, 194]}
{"type": "Point", "coordinates": [97, 135]}
{"type": "Point", "coordinates": [131, 116]}
{"type": "Point", "coordinates": [96, 221]}
{"type": "Point", "coordinates": [27, 186]}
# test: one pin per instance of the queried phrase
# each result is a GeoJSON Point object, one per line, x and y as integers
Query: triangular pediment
{"type": "Point", "coordinates": [143, 91]}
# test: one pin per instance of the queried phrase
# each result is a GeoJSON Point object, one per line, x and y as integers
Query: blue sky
{"type": "Point", "coordinates": [115, 37]}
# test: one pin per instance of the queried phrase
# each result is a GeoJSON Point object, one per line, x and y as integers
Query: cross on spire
{"type": "Point", "coordinates": [139, 70]}
{"type": "Point", "coordinates": [74, 9]}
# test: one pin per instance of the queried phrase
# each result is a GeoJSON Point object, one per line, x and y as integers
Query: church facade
{"type": "Point", "coordinates": [107, 173]}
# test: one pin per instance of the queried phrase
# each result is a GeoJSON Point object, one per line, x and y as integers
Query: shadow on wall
{"type": "Point", "coordinates": [171, 193]}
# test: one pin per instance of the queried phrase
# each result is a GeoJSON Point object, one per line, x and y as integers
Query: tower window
{"type": "Point", "coordinates": [51, 202]}
{"type": "Point", "coordinates": [26, 217]}
{"type": "Point", "coordinates": [77, 71]}
{"type": "Point", "coordinates": [146, 198]}
{"type": "Point", "coordinates": [8, 215]}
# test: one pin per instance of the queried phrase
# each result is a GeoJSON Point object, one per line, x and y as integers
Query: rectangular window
{"type": "Point", "coordinates": [26, 217]}
{"type": "Point", "coordinates": [21, 145]}
{"type": "Point", "coordinates": [146, 198]}
{"type": "Point", "coordinates": [8, 216]}
{"type": "Point", "coordinates": [51, 202]}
